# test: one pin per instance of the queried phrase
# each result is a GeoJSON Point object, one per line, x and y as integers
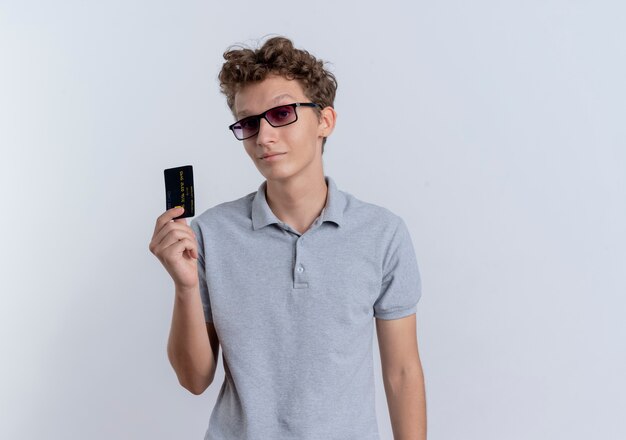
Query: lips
{"type": "Point", "coordinates": [265, 156]}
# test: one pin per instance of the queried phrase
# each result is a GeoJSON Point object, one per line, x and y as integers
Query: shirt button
{"type": "Point", "coordinates": [300, 269]}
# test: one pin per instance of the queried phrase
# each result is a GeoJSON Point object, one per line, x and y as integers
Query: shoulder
{"type": "Point", "coordinates": [375, 216]}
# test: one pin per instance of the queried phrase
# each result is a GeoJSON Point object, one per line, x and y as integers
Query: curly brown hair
{"type": "Point", "coordinates": [276, 56]}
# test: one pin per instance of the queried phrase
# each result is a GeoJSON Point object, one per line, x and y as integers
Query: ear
{"type": "Point", "coordinates": [328, 118]}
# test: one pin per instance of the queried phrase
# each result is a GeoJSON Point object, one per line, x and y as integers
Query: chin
{"type": "Point", "coordinates": [277, 173]}
{"type": "Point", "coordinates": [277, 176]}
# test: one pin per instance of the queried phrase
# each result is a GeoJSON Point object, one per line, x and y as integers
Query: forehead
{"type": "Point", "coordinates": [274, 90]}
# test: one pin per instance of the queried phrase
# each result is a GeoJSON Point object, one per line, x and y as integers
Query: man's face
{"type": "Point", "coordinates": [299, 145]}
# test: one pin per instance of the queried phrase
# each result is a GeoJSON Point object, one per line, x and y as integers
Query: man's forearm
{"type": "Point", "coordinates": [189, 348]}
{"type": "Point", "coordinates": [406, 399]}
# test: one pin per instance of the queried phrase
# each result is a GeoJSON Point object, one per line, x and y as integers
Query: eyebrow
{"type": "Point", "coordinates": [245, 113]}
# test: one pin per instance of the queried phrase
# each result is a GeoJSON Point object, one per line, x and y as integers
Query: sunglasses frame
{"type": "Point", "coordinates": [263, 115]}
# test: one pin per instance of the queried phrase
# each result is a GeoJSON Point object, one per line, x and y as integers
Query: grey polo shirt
{"type": "Point", "coordinates": [294, 314]}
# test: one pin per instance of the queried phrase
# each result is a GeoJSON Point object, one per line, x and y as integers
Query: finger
{"type": "Point", "coordinates": [178, 248]}
{"type": "Point", "coordinates": [192, 253]}
{"type": "Point", "coordinates": [167, 216]}
{"type": "Point", "coordinates": [170, 227]}
{"type": "Point", "coordinates": [165, 220]}
{"type": "Point", "coordinates": [172, 236]}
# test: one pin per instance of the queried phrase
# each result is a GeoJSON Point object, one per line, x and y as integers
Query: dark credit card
{"type": "Point", "coordinates": [179, 189]}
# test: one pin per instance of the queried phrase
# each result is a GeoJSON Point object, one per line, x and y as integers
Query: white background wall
{"type": "Point", "coordinates": [494, 128]}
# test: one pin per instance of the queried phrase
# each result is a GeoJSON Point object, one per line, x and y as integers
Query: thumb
{"type": "Point", "coordinates": [180, 210]}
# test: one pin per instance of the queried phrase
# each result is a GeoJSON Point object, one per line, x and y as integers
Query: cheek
{"type": "Point", "coordinates": [249, 149]}
{"type": "Point", "coordinates": [308, 133]}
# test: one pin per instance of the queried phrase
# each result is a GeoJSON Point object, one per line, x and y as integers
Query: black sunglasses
{"type": "Point", "coordinates": [277, 117]}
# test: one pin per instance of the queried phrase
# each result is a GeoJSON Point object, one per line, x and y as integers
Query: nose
{"type": "Point", "coordinates": [267, 133]}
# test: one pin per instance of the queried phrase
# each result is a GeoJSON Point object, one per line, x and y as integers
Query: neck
{"type": "Point", "coordinates": [297, 201]}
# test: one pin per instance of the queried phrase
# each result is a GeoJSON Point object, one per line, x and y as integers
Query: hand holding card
{"type": "Point", "coordinates": [179, 189]}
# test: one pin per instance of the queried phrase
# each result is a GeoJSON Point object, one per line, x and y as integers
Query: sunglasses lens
{"type": "Point", "coordinates": [281, 115]}
{"type": "Point", "coordinates": [246, 128]}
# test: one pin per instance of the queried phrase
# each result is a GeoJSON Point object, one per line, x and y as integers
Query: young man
{"type": "Point", "coordinates": [289, 278]}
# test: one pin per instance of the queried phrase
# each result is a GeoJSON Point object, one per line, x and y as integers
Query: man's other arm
{"type": "Point", "coordinates": [403, 377]}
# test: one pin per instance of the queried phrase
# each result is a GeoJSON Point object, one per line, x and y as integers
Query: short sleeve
{"type": "Point", "coordinates": [202, 279]}
{"type": "Point", "coordinates": [401, 284]}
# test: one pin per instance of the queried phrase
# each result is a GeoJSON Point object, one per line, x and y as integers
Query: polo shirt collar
{"type": "Point", "coordinates": [262, 215]}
